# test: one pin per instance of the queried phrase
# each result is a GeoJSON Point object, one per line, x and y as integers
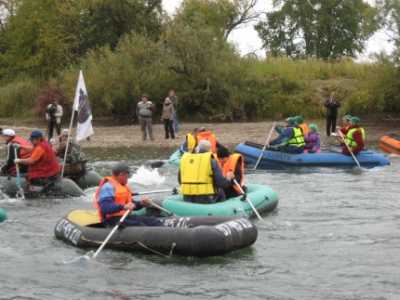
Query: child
{"type": "Point", "coordinates": [313, 142]}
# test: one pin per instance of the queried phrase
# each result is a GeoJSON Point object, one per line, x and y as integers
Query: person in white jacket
{"type": "Point", "coordinates": [54, 113]}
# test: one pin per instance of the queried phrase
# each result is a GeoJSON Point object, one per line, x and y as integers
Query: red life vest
{"type": "Point", "coordinates": [123, 196]}
{"type": "Point", "coordinates": [47, 165]}
{"type": "Point", "coordinates": [208, 136]}
{"type": "Point", "coordinates": [231, 164]}
{"type": "Point", "coordinates": [25, 147]}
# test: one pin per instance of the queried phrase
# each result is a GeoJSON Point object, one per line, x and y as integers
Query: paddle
{"type": "Point", "coordinates": [265, 145]}
{"type": "Point", "coordinates": [109, 235]}
{"type": "Point", "coordinates": [162, 208]}
{"type": "Point", "coordinates": [174, 192]}
{"type": "Point", "coordinates": [20, 191]}
{"type": "Point", "coordinates": [248, 200]}
{"type": "Point", "coordinates": [348, 148]}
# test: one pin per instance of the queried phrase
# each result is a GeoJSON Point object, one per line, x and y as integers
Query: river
{"type": "Point", "coordinates": [335, 235]}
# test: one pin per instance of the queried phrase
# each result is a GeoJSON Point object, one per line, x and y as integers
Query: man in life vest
{"type": "Point", "coordinates": [345, 124]}
{"type": "Point", "coordinates": [114, 197]}
{"type": "Point", "coordinates": [234, 163]}
{"type": "Point", "coordinates": [43, 166]}
{"type": "Point", "coordinates": [354, 138]}
{"type": "Point", "coordinates": [304, 126]}
{"type": "Point", "coordinates": [15, 144]}
{"type": "Point", "coordinates": [190, 143]}
{"type": "Point", "coordinates": [290, 140]}
{"type": "Point", "coordinates": [201, 177]}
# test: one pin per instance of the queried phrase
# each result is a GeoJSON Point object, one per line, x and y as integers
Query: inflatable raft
{"type": "Point", "coordinates": [263, 198]}
{"type": "Point", "coordinates": [3, 215]}
{"type": "Point", "coordinates": [276, 159]}
{"type": "Point", "coordinates": [390, 143]}
{"type": "Point", "coordinates": [175, 158]}
{"type": "Point", "coordinates": [63, 187]}
{"type": "Point", "coordinates": [196, 236]}
{"type": "Point", "coordinates": [90, 179]}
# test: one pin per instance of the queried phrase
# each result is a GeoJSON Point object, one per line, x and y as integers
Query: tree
{"type": "Point", "coordinates": [391, 16]}
{"type": "Point", "coordinates": [224, 16]}
{"type": "Point", "coordinates": [326, 29]}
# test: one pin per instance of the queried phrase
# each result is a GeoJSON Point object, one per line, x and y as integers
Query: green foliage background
{"type": "Point", "coordinates": [130, 47]}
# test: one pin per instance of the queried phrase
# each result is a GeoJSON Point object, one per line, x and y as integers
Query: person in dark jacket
{"type": "Point", "coordinates": [332, 106]}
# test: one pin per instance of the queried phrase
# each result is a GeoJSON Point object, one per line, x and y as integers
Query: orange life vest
{"type": "Point", "coordinates": [305, 128]}
{"type": "Point", "coordinates": [123, 196]}
{"type": "Point", "coordinates": [208, 136]}
{"type": "Point", "coordinates": [25, 147]}
{"type": "Point", "coordinates": [47, 166]}
{"type": "Point", "coordinates": [231, 164]}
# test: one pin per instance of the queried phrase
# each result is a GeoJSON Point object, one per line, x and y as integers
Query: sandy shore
{"type": "Point", "coordinates": [229, 134]}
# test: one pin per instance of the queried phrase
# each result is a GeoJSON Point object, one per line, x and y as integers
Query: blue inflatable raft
{"type": "Point", "coordinates": [276, 159]}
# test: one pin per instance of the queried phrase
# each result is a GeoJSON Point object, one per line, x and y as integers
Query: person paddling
{"type": "Point", "coordinates": [43, 166]}
{"type": "Point", "coordinates": [15, 144]}
{"type": "Point", "coordinates": [114, 197]}
{"type": "Point", "coordinates": [201, 177]}
{"type": "Point", "coordinates": [354, 138]}
{"type": "Point", "coordinates": [290, 140]}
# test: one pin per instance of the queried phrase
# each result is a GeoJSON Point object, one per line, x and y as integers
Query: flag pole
{"type": "Point", "coordinates": [68, 140]}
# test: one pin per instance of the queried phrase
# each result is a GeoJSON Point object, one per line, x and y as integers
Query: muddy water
{"type": "Point", "coordinates": [335, 235]}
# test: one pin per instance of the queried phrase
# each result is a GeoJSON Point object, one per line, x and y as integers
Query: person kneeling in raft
{"type": "Point", "coordinates": [113, 198]}
{"type": "Point", "coordinates": [43, 166]}
{"type": "Point", "coordinates": [354, 138]}
{"type": "Point", "coordinates": [290, 140]}
{"type": "Point", "coordinates": [313, 140]}
{"type": "Point", "coordinates": [201, 178]}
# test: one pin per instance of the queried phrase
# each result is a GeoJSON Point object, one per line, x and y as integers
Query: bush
{"type": "Point", "coordinates": [47, 94]}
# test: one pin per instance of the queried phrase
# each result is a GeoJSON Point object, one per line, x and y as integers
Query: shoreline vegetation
{"type": "Point", "coordinates": [129, 48]}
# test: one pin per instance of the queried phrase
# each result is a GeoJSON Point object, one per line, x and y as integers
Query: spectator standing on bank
{"type": "Point", "coordinates": [144, 112]}
{"type": "Point", "coordinates": [54, 113]}
{"type": "Point", "coordinates": [174, 99]}
{"type": "Point", "coordinates": [167, 117]}
{"type": "Point", "coordinates": [332, 106]}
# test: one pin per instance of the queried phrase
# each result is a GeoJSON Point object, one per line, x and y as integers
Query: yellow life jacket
{"type": "Point", "coordinates": [298, 138]}
{"type": "Point", "coordinates": [191, 142]}
{"type": "Point", "coordinates": [349, 137]}
{"type": "Point", "coordinates": [196, 174]}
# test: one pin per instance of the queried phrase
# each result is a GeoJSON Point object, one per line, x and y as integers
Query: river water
{"type": "Point", "coordinates": [335, 235]}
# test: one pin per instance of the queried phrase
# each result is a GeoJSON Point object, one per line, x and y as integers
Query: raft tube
{"type": "Point", "coordinates": [277, 159]}
{"type": "Point", "coordinates": [196, 236]}
{"type": "Point", "coordinates": [390, 143]}
{"type": "Point", "coordinates": [263, 198]}
{"type": "Point", "coordinates": [90, 179]}
{"type": "Point", "coordinates": [175, 158]}
{"type": "Point", "coordinates": [3, 215]}
{"type": "Point", "coordinates": [63, 187]}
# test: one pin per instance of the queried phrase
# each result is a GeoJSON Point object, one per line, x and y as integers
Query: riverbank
{"type": "Point", "coordinates": [127, 139]}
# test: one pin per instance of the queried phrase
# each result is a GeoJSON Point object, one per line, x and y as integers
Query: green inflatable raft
{"type": "Point", "coordinates": [175, 158]}
{"type": "Point", "coordinates": [3, 215]}
{"type": "Point", "coordinates": [263, 198]}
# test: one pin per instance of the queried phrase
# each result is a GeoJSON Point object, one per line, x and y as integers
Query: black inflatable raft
{"type": "Point", "coordinates": [189, 236]}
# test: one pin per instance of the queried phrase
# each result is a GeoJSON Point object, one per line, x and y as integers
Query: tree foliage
{"type": "Point", "coordinates": [327, 29]}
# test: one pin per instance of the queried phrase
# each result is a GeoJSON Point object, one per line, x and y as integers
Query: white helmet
{"type": "Point", "coordinates": [8, 132]}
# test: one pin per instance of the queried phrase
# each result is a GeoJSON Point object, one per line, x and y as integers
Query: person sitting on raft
{"type": "Point", "coordinates": [290, 140]}
{"type": "Point", "coordinates": [75, 160]}
{"type": "Point", "coordinates": [234, 163]}
{"type": "Point", "coordinates": [304, 126]}
{"type": "Point", "coordinates": [114, 197]}
{"type": "Point", "coordinates": [201, 177]}
{"type": "Point", "coordinates": [313, 140]}
{"type": "Point", "coordinates": [200, 134]}
{"type": "Point", "coordinates": [43, 166]}
{"type": "Point", "coordinates": [345, 124]}
{"type": "Point", "coordinates": [354, 138]}
{"type": "Point", "coordinates": [15, 144]}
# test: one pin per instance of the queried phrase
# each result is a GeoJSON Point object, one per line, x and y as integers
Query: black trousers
{"type": "Point", "coordinates": [169, 129]}
{"type": "Point", "coordinates": [330, 124]}
{"type": "Point", "coordinates": [52, 124]}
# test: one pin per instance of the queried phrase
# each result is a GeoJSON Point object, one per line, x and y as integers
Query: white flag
{"type": "Point", "coordinates": [83, 111]}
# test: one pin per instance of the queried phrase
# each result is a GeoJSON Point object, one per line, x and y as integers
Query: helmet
{"type": "Point", "coordinates": [355, 120]}
{"type": "Point", "coordinates": [291, 121]}
{"type": "Point", "coordinates": [313, 127]}
{"type": "Point", "coordinates": [299, 119]}
{"type": "Point", "coordinates": [120, 167]}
